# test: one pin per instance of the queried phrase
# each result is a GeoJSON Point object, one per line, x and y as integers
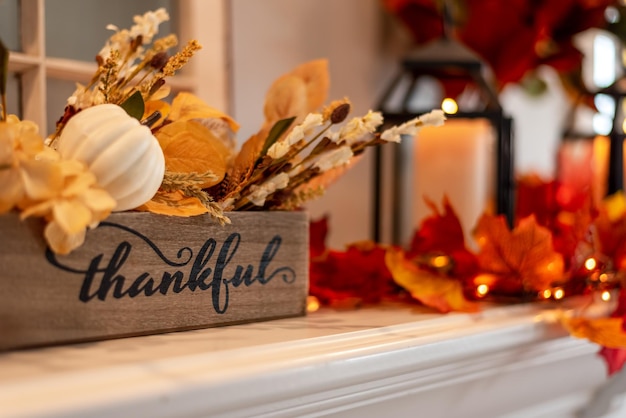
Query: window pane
{"type": "Point", "coordinates": [9, 24]}
{"type": "Point", "coordinates": [13, 94]}
{"type": "Point", "coordinates": [57, 93]}
{"type": "Point", "coordinates": [76, 29]}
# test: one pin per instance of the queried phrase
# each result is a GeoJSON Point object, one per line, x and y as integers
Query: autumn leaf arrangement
{"type": "Point", "coordinates": [121, 145]}
{"type": "Point", "coordinates": [558, 254]}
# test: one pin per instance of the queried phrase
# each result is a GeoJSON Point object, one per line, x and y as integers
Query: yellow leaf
{"type": "Point", "coordinates": [189, 147]}
{"type": "Point", "coordinates": [606, 332]}
{"type": "Point", "coordinates": [173, 204]}
{"type": "Point", "coordinates": [286, 98]}
{"type": "Point", "coordinates": [187, 106]}
{"type": "Point", "coordinates": [439, 292]}
{"type": "Point", "coordinates": [315, 76]}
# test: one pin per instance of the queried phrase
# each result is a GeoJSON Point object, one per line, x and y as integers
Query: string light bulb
{"type": "Point", "coordinates": [546, 294]}
{"type": "Point", "coordinates": [482, 290]}
{"type": "Point", "coordinates": [590, 263]}
{"type": "Point", "coordinates": [440, 261]}
{"type": "Point", "coordinates": [312, 304]}
{"type": "Point", "coordinates": [558, 293]}
{"type": "Point", "coordinates": [606, 296]}
{"type": "Point", "coordinates": [449, 106]}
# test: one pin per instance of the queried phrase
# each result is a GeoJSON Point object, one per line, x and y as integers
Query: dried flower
{"type": "Point", "coordinates": [147, 25]}
{"type": "Point", "coordinates": [124, 41]}
{"type": "Point", "coordinates": [281, 147]}
{"type": "Point", "coordinates": [181, 58]}
{"type": "Point", "coordinates": [358, 128]}
{"type": "Point", "coordinates": [42, 184]}
{"type": "Point", "coordinates": [412, 127]}
{"type": "Point", "coordinates": [27, 170]}
{"type": "Point", "coordinates": [260, 193]}
{"type": "Point", "coordinates": [129, 62]}
{"type": "Point", "coordinates": [334, 158]}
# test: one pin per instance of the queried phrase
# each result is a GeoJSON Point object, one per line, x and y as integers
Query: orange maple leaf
{"type": "Point", "coordinates": [190, 147]}
{"type": "Point", "coordinates": [607, 332]}
{"type": "Point", "coordinates": [440, 292]}
{"type": "Point", "coordinates": [525, 256]}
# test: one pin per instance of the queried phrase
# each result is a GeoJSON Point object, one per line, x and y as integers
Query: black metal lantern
{"type": "Point", "coordinates": [445, 60]}
{"type": "Point", "coordinates": [615, 180]}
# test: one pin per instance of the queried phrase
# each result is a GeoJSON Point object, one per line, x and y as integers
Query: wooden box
{"type": "Point", "coordinates": [141, 273]}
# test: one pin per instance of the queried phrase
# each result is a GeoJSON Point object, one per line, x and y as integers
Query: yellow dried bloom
{"type": "Point", "coordinates": [27, 169]}
{"type": "Point", "coordinates": [181, 58]}
{"type": "Point", "coordinates": [78, 204]}
{"type": "Point", "coordinates": [165, 43]}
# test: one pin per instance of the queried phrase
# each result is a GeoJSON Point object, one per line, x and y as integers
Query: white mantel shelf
{"type": "Point", "coordinates": [383, 361]}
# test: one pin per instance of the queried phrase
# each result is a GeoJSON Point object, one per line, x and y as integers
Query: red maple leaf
{"type": "Point", "coordinates": [347, 278]}
{"type": "Point", "coordinates": [536, 196]}
{"type": "Point", "coordinates": [442, 233]}
{"type": "Point", "coordinates": [514, 36]}
{"type": "Point", "coordinates": [614, 359]}
{"type": "Point", "coordinates": [318, 231]}
{"type": "Point", "coordinates": [357, 275]}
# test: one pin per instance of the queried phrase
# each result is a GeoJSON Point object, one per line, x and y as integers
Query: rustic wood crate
{"type": "Point", "coordinates": [141, 273]}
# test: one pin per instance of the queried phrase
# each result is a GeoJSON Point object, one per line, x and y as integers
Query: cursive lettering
{"type": "Point", "coordinates": [205, 271]}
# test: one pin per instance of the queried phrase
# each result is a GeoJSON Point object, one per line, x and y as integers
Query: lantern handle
{"type": "Point", "coordinates": [447, 20]}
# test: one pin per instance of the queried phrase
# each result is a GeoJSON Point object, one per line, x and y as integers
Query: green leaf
{"type": "Point", "coordinates": [4, 68]}
{"type": "Point", "coordinates": [277, 130]}
{"type": "Point", "coordinates": [134, 105]}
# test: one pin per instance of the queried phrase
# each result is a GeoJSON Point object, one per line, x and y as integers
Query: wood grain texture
{"type": "Point", "coordinates": [141, 273]}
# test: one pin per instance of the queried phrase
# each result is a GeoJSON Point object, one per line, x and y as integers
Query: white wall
{"type": "Point", "coordinates": [270, 37]}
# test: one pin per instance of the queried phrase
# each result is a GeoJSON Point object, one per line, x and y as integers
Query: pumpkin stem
{"type": "Point", "coordinates": [152, 119]}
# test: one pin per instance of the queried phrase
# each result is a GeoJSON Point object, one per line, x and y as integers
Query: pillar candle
{"type": "Point", "coordinates": [576, 173]}
{"type": "Point", "coordinates": [601, 145]}
{"type": "Point", "coordinates": [456, 160]}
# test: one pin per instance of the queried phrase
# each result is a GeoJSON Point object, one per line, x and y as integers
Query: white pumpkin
{"type": "Point", "coordinates": [123, 154]}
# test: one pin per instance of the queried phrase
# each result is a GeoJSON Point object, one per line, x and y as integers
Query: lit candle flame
{"type": "Point", "coordinates": [606, 296]}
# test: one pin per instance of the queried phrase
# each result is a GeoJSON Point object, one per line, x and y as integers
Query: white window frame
{"type": "Point", "coordinates": [206, 75]}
